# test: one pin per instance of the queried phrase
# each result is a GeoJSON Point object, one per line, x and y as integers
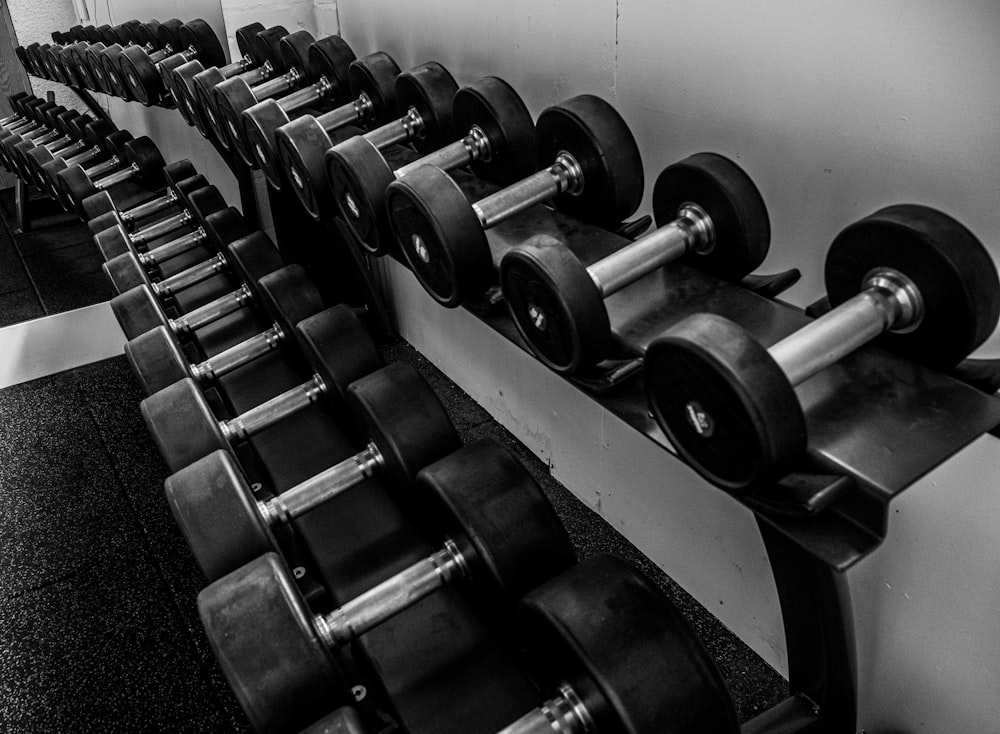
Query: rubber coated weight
{"type": "Point", "coordinates": [505, 538]}
{"type": "Point", "coordinates": [288, 297]}
{"type": "Point", "coordinates": [185, 429]}
{"type": "Point", "coordinates": [728, 405]}
{"type": "Point", "coordinates": [620, 656]}
{"type": "Point", "coordinates": [708, 212]}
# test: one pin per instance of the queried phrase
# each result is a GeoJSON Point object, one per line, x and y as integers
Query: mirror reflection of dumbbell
{"type": "Point", "coordinates": [214, 230]}
{"type": "Point", "coordinates": [113, 39]}
{"type": "Point", "coordinates": [338, 350]}
{"type": "Point", "coordinates": [143, 70]}
{"type": "Point", "coordinates": [234, 96]}
{"type": "Point", "coordinates": [595, 174]}
{"type": "Point", "coordinates": [103, 212]}
{"type": "Point", "coordinates": [406, 429]}
{"type": "Point", "coordinates": [131, 33]}
{"type": "Point", "coordinates": [708, 213]}
{"type": "Point", "coordinates": [497, 533]}
{"type": "Point", "coordinates": [104, 37]}
{"type": "Point", "coordinates": [140, 163]}
{"type": "Point", "coordinates": [160, 36]}
{"type": "Point", "coordinates": [286, 295]}
{"type": "Point", "coordinates": [369, 99]}
{"type": "Point", "coordinates": [728, 404]}
{"type": "Point", "coordinates": [198, 199]}
{"type": "Point", "coordinates": [183, 66]}
{"type": "Point", "coordinates": [98, 140]}
{"type": "Point", "coordinates": [329, 62]}
{"type": "Point", "coordinates": [498, 143]}
{"type": "Point", "coordinates": [200, 92]}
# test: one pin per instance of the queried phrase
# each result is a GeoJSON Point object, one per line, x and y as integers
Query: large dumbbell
{"type": "Point", "coordinates": [217, 226]}
{"type": "Point", "coordinates": [618, 657]}
{"type": "Point", "coordinates": [139, 309]}
{"type": "Point", "coordinates": [235, 95]}
{"type": "Point", "coordinates": [199, 89]}
{"type": "Point", "coordinates": [141, 163]}
{"type": "Point", "coordinates": [728, 404]}
{"type": "Point", "coordinates": [181, 65]}
{"type": "Point", "coordinates": [103, 212]}
{"type": "Point", "coordinates": [99, 144]}
{"type": "Point", "coordinates": [137, 64]}
{"type": "Point", "coordinates": [595, 175]}
{"type": "Point", "coordinates": [497, 532]}
{"type": "Point", "coordinates": [132, 33]}
{"type": "Point", "coordinates": [407, 429]}
{"type": "Point", "coordinates": [330, 63]}
{"type": "Point", "coordinates": [145, 72]}
{"type": "Point", "coordinates": [339, 351]}
{"type": "Point", "coordinates": [115, 40]}
{"type": "Point", "coordinates": [287, 295]}
{"type": "Point", "coordinates": [118, 240]}
{"type": "Point", "coordinates": [709, 213]}
{"type": "Point", "coordinates": [498, 142]}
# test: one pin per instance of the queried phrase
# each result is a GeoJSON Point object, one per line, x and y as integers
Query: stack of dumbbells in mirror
{"type": "Point", "coordinates": [247, 365]}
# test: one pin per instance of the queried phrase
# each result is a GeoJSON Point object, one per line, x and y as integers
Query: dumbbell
{"type": "Point", "coordinates": [17, 102]}
{"type": "Point", "coordinates": [67, 129]}
{"type": "Point", "coordinates": [117, 240]}
{"type": "Point", "coordinates": [136, 63]}
{"type": "Point", "coordinates": [47, 130]}
{"type": "Point", "coordinates": [139, 310]}
{"type": "Point", "coordinates": [336, 72]}
{"type": "Point", "coordinates": [181, 68]}
{"type": "Point", "coordinates": [498, 533]}
{"type": "Point", "coordinates": [595, 175]}
{"type": "Point", "coordinates": [235, 95]}
{"type": "Point", "coordinates": [498, 142]}
{"type": "Point", "coordinates": [617, 656]}
{"type": "Point", "coordinates": [727, 403]}
{"type": "Point", "coordinates": [24, 55]}
{"type": "Point", "coordinates": [339, 351]}
{"type": "Point", "coordinates": [144, 166]}
{"type": "Point", "coordinates": [102, 212]}
{"type": "Point", "coordinates": [407, 429]}
{"type": "Point", "coordinates": [23, 159]}
{"type": "Point", "coordinates": [115, 40]}
{"type": "Point", "coordinates": [286, 294]}
{"type": "Point", "coordinates": [58, 135]}
{"type": "Point", "coordinates": [33, 119]}
{"type": "Point", "coordinates": [99, 142]}
{"type": "Point", "coordinates": [217, 226]}
{"type": "Point", "coordinates": [91, 76]}
{"type": "Point", "coordinates": [709, 214]}
{"type": "Point", "coordinates": [144, 72]}
{"type": "Point", "coordinates": [199, 89]}
{"type": "Point", "coordinates": [132, 33]}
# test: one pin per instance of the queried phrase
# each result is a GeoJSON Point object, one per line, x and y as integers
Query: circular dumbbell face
{"type": "Point", "coordinates": [592, 131]}
{"type": "Point", "coordinates": [724, 403]}
{"type": "Point", "coordinates": [555, 304]}
{"type": "Point", "coordinates": [492, 105]}
{"type": "Point", "coordinates": [430, 90]}
{"type": "Point", "coordinates": [358, 177]}
{"type": "Point", "coordinates": [632, 662]}
{"type": "Point", "coordinates": [741, 230]}
{"type": "Point", "coordinates": [331, 57]}
{"type": "Point", "coordinates": [112, 73]}
{"type": "Point", "coordinates": [198, 35]}
{"type": "Point", "coordinates": [950, 269]}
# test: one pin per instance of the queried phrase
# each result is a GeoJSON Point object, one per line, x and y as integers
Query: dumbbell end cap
{"type": "Point", "coordinates": [157, 359]}
{"type": "Point", "coordinates": [112, 241]}
{"type": "Point", "coordinates": [359, 175]}
{"type": "Point", "coordinates": [125, 272]}
{"type": "Point", "coordinates": [182, 424]}
{"type": "Point", "coordinates": [98, 205]}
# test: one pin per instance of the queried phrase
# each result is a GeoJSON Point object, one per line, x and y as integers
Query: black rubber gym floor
{"type": "Point", "coordinates": [98, 625]}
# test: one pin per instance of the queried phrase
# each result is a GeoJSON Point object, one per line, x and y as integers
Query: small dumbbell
{"type": "Point", "coordinates": [595, 175]}
{"type": "Point", "coordinates": [102, 212]}
{"type": "Point", "coordinates": [618, 657]}
{"type": "Point", "coordinates": [83, 132]}
{"type": "Point", "coordinates": [498, 142]}
{"type": "Point", "coordinates": [197, 200]}
{"type": "Point", "coordinates": [144, 71]}
{"type": "Point", "coordinates": [331, 61]}
{"type": "Point", "coordinates": [70, 128]}
{"type": "Point", "coordinates": [235, 95]}
{"type": "Point", "coordinates": [20, 103]}
{"type": "Point", "coordinates": [45, 125]}
{"type": "Point", "coordinates": [337, 347]}
{"type": "Point", "coordinates": [199, 89]}
{"type": "Point", "coordinates": [143, 164]}
{"type": "Point", "coordinates": [214, 231]}
{"type": "Point", "coordinates": [709, 214]}
{"type": "Point", "coordinates": [287, 295]}
{"type": "Point", "coordinates": [497, 532]}
{"type": "Point", "coordinates": [407, 429]}
{"type": "Point", "coordinates": [180, 65]}
{"type": "Point", "coordinates": [33, 120]}
{"type": "Point", "coordinates": [99, 142]}
{"type": "Point", "coordinates": [728, 404]}
{"type": "Point", "coordinates": [58, 136]}
{"type": "Point", "coordinates": [13, 145]}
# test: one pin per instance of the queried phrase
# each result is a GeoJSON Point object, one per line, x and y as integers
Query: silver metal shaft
{"type": "Point", "coordinates": [888, 301]}
{"type": "Point", "coordinates": [563, 176]}
{"type": "Point", "coordinates": [150, 207]}
{"type": "Point", "coordinates": [190, 277]}
{"type": "Point", "coordinates": [564, 714]}
{"type": "Point", "coordinates": [237, 67]}
{"type": "Point", "coordinates": [254, 77]}
{"type": "Point", "coordinates": [274, 410]}
{"type": "Point", "coordinates": [81, 158]}
{"type": "Point", "coordinates": [117, 177]}
{"type": "Point", "coordinates": [351, 112]}
{"type": "Point", "coordinates": [102, 168]}
{"type": "Point", "coordinates": [408, 127]}
{"type": "Point", "coordinates": [237, 355]}
{"type": "Point", "coordinates": [316, 490]}
{"type": "Point", "coordinates": [59, 144]}
{"type": "Point", "coordinates": [211, 311]}
{"type": "Point", "coordinates": [306, 96]}
{"type": "Point", "coordinates": [173, 248]}
{"type": "Point", "coordinates": [159, 229]}
{"type": "Point", "coordinates": [276, 86]}
{"type": "Point", "coordinates": [692, 230]}
{"type": "Point", "coordinates": [406, 588]}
